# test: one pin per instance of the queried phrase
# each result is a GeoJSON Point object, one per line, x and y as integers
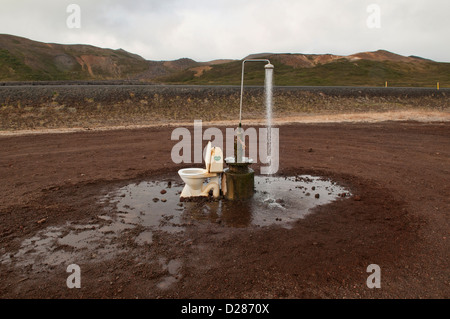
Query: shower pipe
{"type": "Point", "coordinates": [242, 82]}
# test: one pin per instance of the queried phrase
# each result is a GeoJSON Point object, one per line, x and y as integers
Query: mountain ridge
{"type": "Point", "coordinates": [22, 59]}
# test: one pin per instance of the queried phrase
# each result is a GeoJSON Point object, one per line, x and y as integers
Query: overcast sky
{"type": "Point", "coordinates": [214, 29]}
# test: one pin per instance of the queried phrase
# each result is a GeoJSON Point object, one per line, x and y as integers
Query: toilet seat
{"type": "Point", "coordinates": [196, 172]}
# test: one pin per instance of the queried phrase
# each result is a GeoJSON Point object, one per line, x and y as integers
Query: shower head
{"type": "Point", "coordinates": [268, 66]}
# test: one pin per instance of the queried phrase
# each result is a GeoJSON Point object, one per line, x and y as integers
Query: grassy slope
{"type": "Point", "coordinates": [339, 73]}
{"type": "Point", "coordinates": [11, 67]}
{"type": "Point", "coordinates": [24, 60]}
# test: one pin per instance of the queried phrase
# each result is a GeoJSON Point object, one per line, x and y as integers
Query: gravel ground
{"type": "Point", "coordinates": [57, 106]}
{"type": "Point", "coordinates": [106, 92]}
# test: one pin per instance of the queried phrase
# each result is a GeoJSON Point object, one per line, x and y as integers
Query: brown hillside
{"type": "Point", "coordinates": [383, 55]}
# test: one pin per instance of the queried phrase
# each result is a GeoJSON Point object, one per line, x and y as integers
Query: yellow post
{"type": "Point", "coordinates": [438, 85]}
{"type": "Point", "coordinates": [385, 85]}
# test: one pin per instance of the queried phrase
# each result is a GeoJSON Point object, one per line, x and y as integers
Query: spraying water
{"type": "Point", "coordinates": [268, 102]}
{"type": "Point", "coordinates": [268, 85]}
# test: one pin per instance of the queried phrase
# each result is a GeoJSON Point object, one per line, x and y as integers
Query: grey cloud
{"type": "Point", "coordinates": [204, 29]}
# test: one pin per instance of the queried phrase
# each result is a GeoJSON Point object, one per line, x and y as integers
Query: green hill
{"type": "Point", "coordinates": [337, 71]}
{"type": "Point", "coordinates": [22, 59]}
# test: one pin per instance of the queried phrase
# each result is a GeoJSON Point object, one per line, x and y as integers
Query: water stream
{"type": "Point", "coordinates": [268, 84]}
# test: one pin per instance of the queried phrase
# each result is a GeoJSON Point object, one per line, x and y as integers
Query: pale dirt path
{"type": "Point", "coordinates": [370, 117]}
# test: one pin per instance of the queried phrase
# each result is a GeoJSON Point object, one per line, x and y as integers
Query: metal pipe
{"type": "Point", "coordinates": [242, 82]}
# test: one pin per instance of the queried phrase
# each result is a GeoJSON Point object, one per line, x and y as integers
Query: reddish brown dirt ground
{"type": "Point", "coordinates": [398, 217]}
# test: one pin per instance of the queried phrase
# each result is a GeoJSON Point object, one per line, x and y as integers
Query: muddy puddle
{"type": "Point", "coordinates": [150, 207]}
{"type": "Point", "coordinates": [277, 200]}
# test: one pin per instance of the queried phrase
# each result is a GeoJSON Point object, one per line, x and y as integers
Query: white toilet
{"type": "Point", "coordinates": [194, 178]}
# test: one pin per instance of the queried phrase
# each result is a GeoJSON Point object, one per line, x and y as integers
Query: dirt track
{"type": "Point", "coordinates": [398, 218]}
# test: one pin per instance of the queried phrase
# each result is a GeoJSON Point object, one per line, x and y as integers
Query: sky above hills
{"type": "Point", "coordinates": [212, 29]}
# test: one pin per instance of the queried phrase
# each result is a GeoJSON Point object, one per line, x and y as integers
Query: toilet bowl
{"type": "Point", "coordinates": [194, 178]}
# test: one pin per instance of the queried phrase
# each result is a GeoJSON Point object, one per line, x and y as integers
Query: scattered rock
{"type": "Point", "coordinates": [169, 184]}
{"type": "Point", "coordinates": [163, 191]}
{"type": "Point", "coordinates": [313, 188]}
{"type": "Point", "coordinates": [163, 200]}
{"type": "Point", "coordinates": [156, 199]}
{"type": "Point", "coordinates": [317, 195]}
{"type": "Point", "coordinates": [310, 150]}
{"type": "Point", "coordinates": [357, 198]}
{"type": "Point", "coordinates": [41, 221]}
